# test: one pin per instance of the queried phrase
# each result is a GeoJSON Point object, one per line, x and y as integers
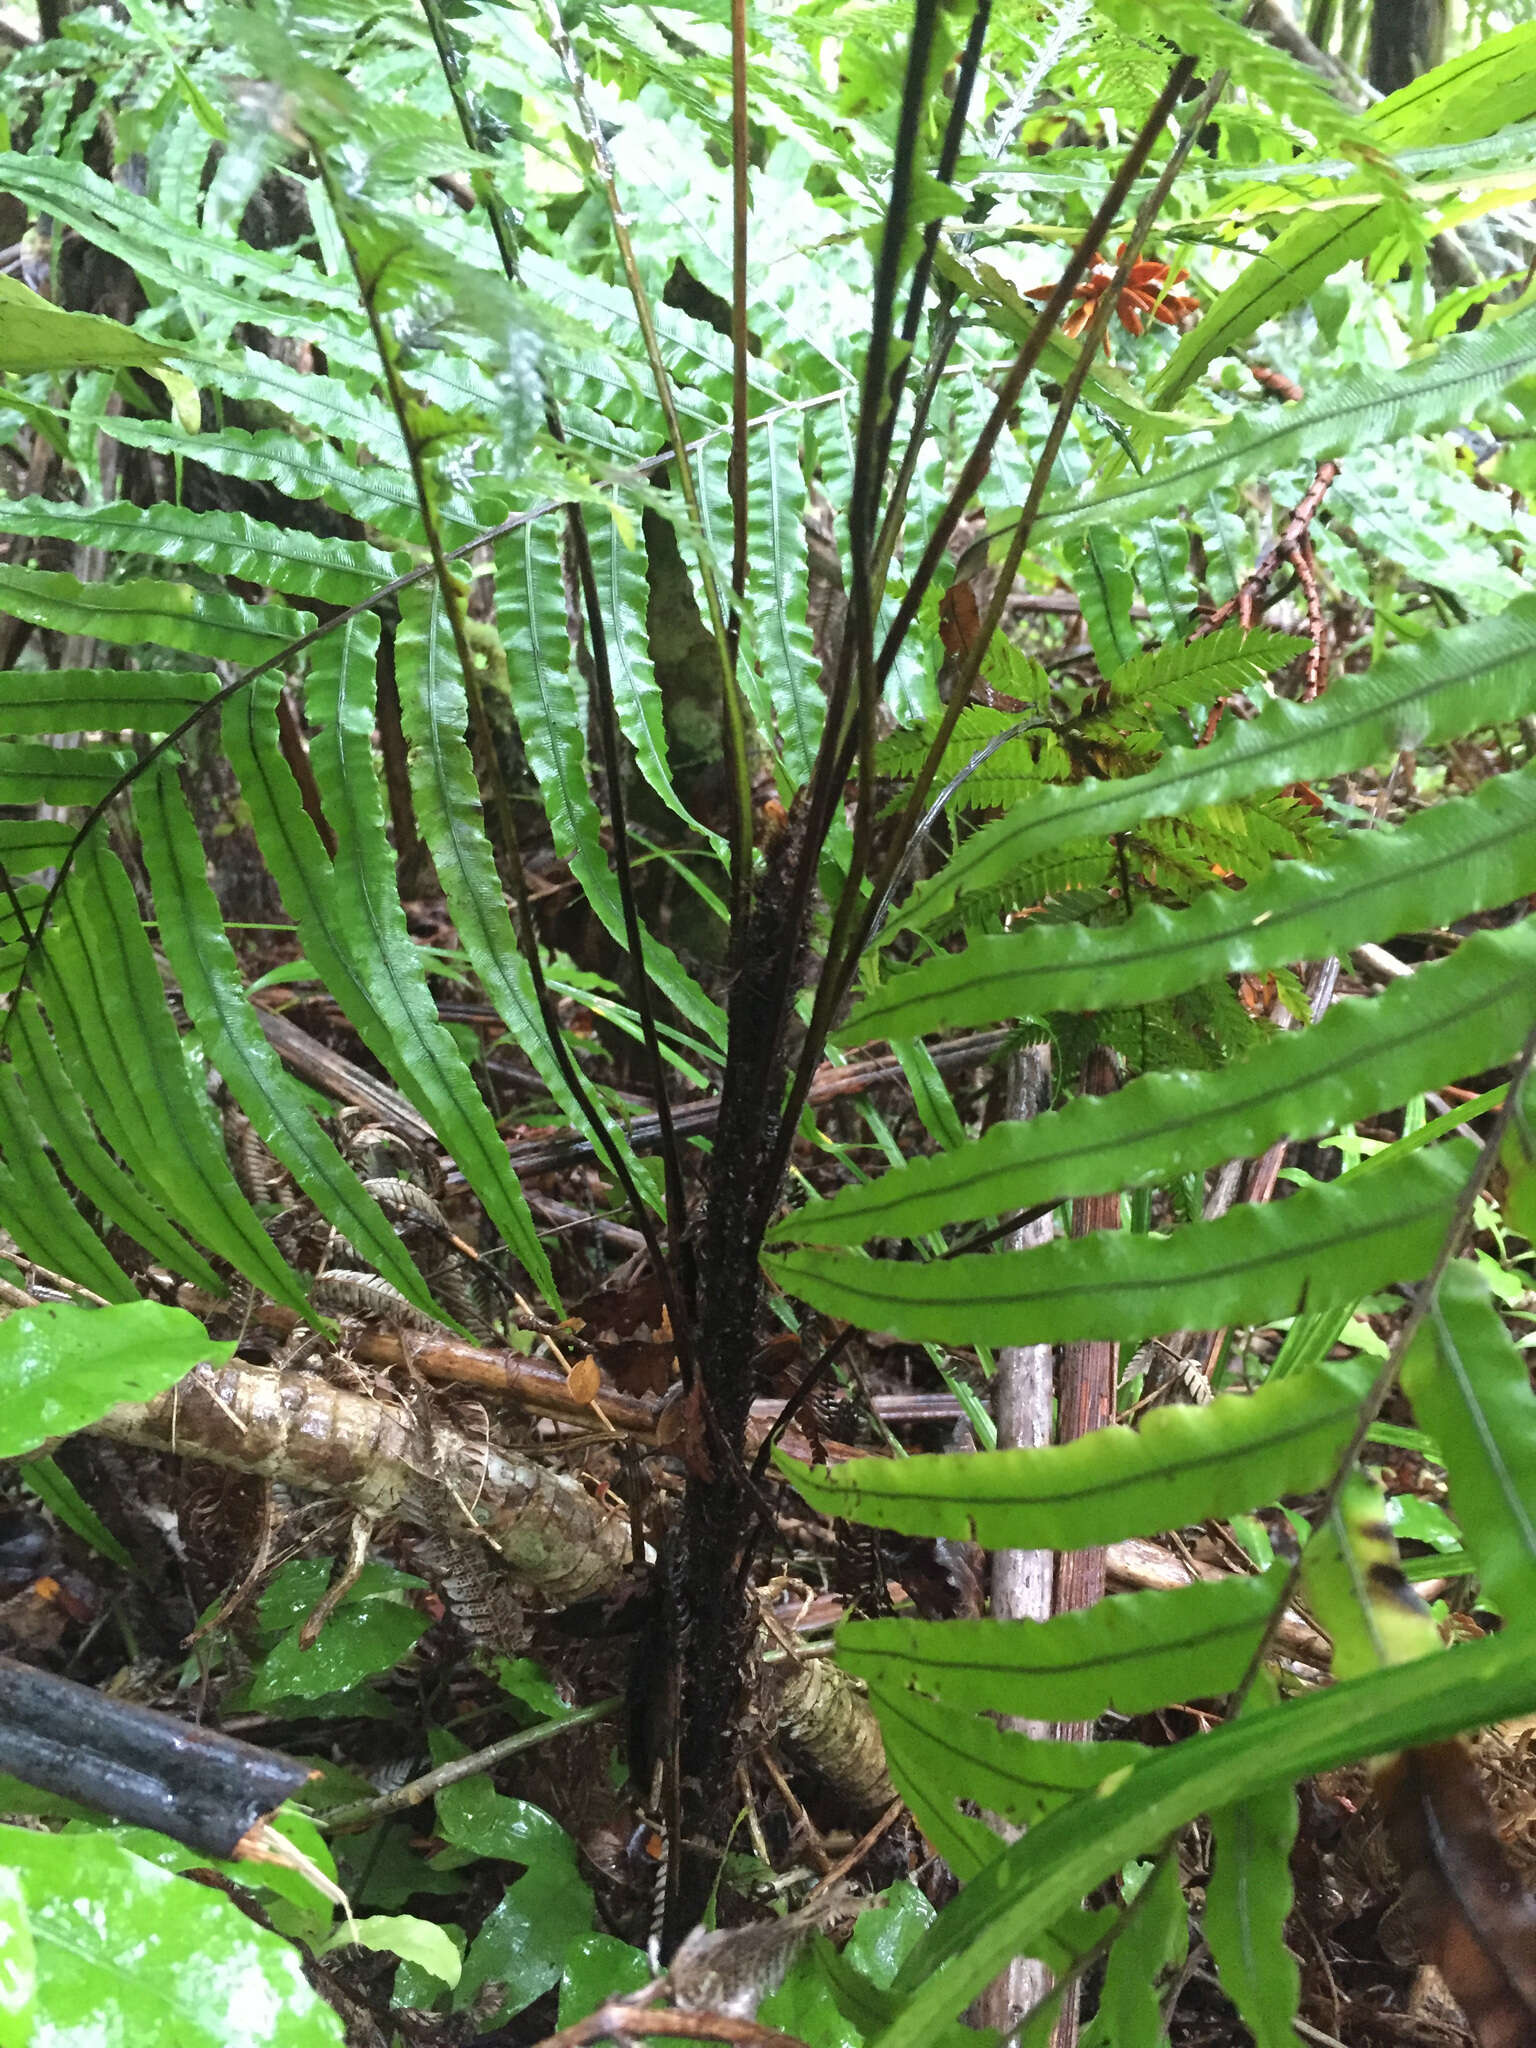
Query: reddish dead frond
{"type": "Point", "coordinates": [1147, 292]}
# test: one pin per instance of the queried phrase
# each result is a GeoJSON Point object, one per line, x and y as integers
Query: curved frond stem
{"type": "Point", "coordinates": [880, 391]}
{"type": "Point", "coordinates": [608, 732]}
{"type": "Point", "coordinates": [452, 594]}
{"type": "Point", "coordinates": [853, 921]}
{"type": "Point", "coordinates": [1078, 264]}
{"type": "Point", "coordinates": [1424, 1305]}
{"type": "Point", "coordinates": [733, 709]}
{"type": "Point", "coordinates": [481, 183]}
{"type": "Point", "coordinates": [602, 675]}
{"type": "Point", "coordinates": [850, 725]}
{"type": "Point", "coordinates": [917, 294]}
{"type": "Point", "coordinates": [947, 326]}
{"type": "Point", "coordinates": [284, 658]}
{"type": "Point", "coordinates": [740, 204]}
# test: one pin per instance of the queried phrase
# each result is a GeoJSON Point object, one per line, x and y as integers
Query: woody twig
{"type": "Point", "coordinates": [1291, 545]}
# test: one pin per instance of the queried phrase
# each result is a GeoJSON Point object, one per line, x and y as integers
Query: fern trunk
{"type": "Point", "coordinates": [711, 1632]}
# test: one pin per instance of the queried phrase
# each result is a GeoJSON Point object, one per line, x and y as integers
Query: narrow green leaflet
{"type": "Point", "coordinates": [100, 699]}
{"type": "Point", "coordinates": [532, 615]}
{"type": "Point", "coordinates": [48, 1097]}
{"type": "Point", "coordinates": [448, 810]}
{"type": "Point", "coordinates": [929, 1767]}
{"type": "Point", "coordinates": [778, 590]}
{"type": "Point", "coordinates": [1027, 1889]}
{"type": "Point", "coordinates": [28, 844]}
{"type": "Point", "coordinates": [1355, 1587]}
{"type": "Point", "coordinates": [208, 269]}
{"type": "Point", "coordinates": [1181, 1465]}
{"type": "Point", "coordinates": [954, 1755]}
{"type": "Point", "coordinates": [61, 1497]}
{"type": "Point", "coordinates": [1247, 1902]}
{"type": "Point", "coordinates": [930, 1098]}
{"type": "Point", "coordinates": [344, 572]}
{"type": "Point", "coordinates": [1456, 1016]}
{"type": "Point", "coordinates": [352, 926]}
{"type": "Point", "coordinates": [947, 1764]}
{"type": "Point", "coordinates": [37, 1210]}
{"type": "Point", "coordinates": [63, 1366]}
{"type": "Point", "coordinates": [33, 774]}
{"type": "Point", "coordinates": [1367, 408]}
{"type": "Point", "coordinates": [1493, 85]}
{"type": "Point", "coordinates": [333, 408]}
{"type": "Point", "coordinates": [1436, 690]}
{"type": "Point", "coordinates": [1154, 1939]}
{"type": "Point", "coordinates": [1327, 1243]}
{"type": "Point", "coordinates": [365, 875]}
{"type": "Point", "coordinates": [1471, 1390]}
{"type": "Point", "coordinates": [1133, 1652]}
{"type": "Point", "coordinates": [125, 1951]}
{"type": "Point", "coordinates": [1100, 572]}
{"type": "Point", "coordinates": [622, 594]}
{"type": "Point", "coordinates": [301, 469]}
{"type": "Point", "coordinates": [98, 981]}
{"type": "Point", "coordinates": [204, 963]}
{"type": "Point", "coordinates": [150, 611]}
{"type": "Point", "coordinates": [35, 335]}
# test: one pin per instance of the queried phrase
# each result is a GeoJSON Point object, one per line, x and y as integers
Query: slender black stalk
{"type": "Point", "coordinates": [602, 673]}
{"type": "Point", "coordinates": [949, 156]}
{"type": "Point", "coordinates": [835, 756]}
{"type": "Point", "coordinates": [852, 918]}
{"type": "Point", "coordinates": [740, 203]}
{"type": "Point", "coordinates": [733, 713]}
{"type": "Point", "coordinates": [1078, 263]}
{"type": "Point", "coordinates": [856, 647]}
{"type": "Point", "coordinates": [877, 395]}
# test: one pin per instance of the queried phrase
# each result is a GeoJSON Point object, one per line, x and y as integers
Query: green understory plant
{"type": "Point", "coordinates": [449, 489]}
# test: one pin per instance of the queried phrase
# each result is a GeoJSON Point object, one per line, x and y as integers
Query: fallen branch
{"type": "Point", "coordinates": [614, 2022]}
{"type": "Point", "coordinates": [149, 1769]}
{"type": "Point", "coordinates": [698, 1119]}
{"type": "Point", "coordinates": [539, 1388]}
{"type": "Point", "coordinates": [554, 1537]}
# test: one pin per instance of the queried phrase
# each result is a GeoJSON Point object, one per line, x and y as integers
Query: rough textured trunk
{"type": "Point", "coordinates": [1407, 38]}
{"type": "Point", "coordinates": [710, 1630]}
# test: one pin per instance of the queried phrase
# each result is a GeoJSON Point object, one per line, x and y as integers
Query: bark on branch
{"type": "Point", "coordinates": [558, 1541]}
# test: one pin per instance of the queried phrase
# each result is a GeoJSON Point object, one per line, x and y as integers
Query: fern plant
{"type": "Point", "coordinates": [440, 405]}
